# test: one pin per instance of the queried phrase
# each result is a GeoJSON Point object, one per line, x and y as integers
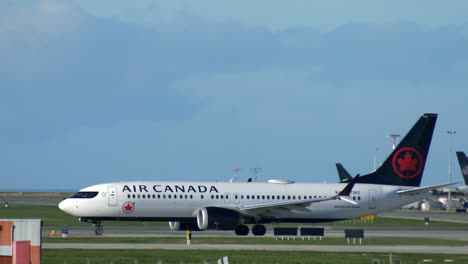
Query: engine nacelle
{"type": "Point", "coordinates": [214, 218]}
{"type": "Point", "coordinates": [182, 226]}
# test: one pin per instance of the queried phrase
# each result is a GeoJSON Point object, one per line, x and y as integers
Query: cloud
{"type": "Point", "coordinates": [66, 69]}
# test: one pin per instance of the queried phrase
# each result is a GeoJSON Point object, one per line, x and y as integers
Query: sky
{"type": "Point", "coordinates": [103, 91]}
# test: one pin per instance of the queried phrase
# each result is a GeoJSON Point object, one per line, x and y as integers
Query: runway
{"type": "Point", "coordinates": [323, 248]}
{"type": "Point", "coordinates": [336, 232]}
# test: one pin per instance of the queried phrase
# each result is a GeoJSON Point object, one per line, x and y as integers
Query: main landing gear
{"type": "Point", "coordinates": [257, 230]}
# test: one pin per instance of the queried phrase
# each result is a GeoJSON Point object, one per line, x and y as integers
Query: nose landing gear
{"type": "Point", "coordinates": [98, 230]}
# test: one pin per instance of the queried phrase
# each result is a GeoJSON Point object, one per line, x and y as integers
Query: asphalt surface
{"type": "Point", "coordinates": [325, 248]}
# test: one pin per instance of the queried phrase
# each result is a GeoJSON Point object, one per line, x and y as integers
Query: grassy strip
{"type": "Point", "coordinates": [256, 241]}
{"type": "Point", "coordinates": [52, 216]}
{"type": "Point", "coordinates": [153, 256]}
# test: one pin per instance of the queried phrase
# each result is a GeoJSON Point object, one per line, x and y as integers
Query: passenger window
{"type": "Point", "coordinates": [138, 196]}
{"type": "Point", "coordinates": [263, 197]}
{"type": "Point", "coordinates": [143, 196]}
{"type": "Point", "coordinates": [128, 196]}
{"type": "Point", "coordinates": [202, 196]}
{"type": "Point", "coordinates": [289, 197]}
{"type": "Point", "coordinates": [164, 196]}
{"type": "Point", "coordinates": [159, 196]}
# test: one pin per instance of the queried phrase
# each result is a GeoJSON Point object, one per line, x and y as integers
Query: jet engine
{"type": "Point", "coordinates": [214, 218]}
{"type": "Point", "coordinates": [182, 226]}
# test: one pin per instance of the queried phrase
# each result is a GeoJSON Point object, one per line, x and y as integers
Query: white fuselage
{"type": "Point", "coordinates": [177, 201]}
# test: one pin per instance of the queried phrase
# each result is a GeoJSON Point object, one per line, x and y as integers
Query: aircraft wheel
{"type": "Point", "coordinates": [259, 230]}
{"type": "Point", "coordinates": [242, 230]}
{"type": "Point", "coordinates": [99, 231]}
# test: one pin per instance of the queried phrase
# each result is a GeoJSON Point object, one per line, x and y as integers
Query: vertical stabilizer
{"type": "Point", "coordinates": [463, 160]}
{"type": "Point", "coordinates": [343, 173]}
{"type": "Point", "coordinates": [405, 165]}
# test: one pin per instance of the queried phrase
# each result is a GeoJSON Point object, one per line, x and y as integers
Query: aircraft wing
{"type": "Point", "coordinates": [428, 188]}
{"type": "Point", "coordinates": [286, 206]}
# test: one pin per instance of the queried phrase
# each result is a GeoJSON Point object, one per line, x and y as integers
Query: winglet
{"type": "Point", "coordinates": [349, 187]}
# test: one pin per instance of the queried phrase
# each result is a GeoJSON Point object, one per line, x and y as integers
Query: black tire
{"type": "Point", "coordinates": [259, 230]}
{"type": "Point", "coordinates": [99, 231]}
{"type": "Point", "coordinates": [242, 230]}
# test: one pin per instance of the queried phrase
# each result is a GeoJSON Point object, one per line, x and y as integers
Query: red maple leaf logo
{"type": "Point", "coordinates": [408, 163]}
{"type": "Point", "coordinates": [128, 207]}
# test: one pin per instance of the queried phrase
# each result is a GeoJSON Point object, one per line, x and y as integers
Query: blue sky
{"type": "Point", "coordinates": [100, 91]}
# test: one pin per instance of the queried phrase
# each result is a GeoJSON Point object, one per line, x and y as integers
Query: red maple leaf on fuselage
{"type": "Point", "coordinates": [128, 207]}
{"type": "Point", "coordinates": [408, 163]}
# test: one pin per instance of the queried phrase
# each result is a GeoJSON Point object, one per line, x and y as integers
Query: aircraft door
{"type": "Point", "coordinates": [372, 199]}
{"type": "Point", "coordinates": [112, 190]}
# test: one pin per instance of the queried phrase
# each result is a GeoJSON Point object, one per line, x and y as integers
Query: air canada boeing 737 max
{"type": "Point", "coordinates": [232, 205]}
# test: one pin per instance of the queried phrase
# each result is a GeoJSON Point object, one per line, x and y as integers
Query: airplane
{"type": "Point", "coordinates": [343, 173]}
{"type": "Point", "coordinates": [232, 205]}
{"type": "Point", "coordinates": [461, 190]}
{"type": "Point", "coordinates": [463, 161]}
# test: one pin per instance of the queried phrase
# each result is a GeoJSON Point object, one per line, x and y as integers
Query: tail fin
{"type": "Point", "coordinates": [343, 173]}
{"type": "Point", "coordinates": [405, 165]}
{"type": "Point", "coordinates": [463, 160]}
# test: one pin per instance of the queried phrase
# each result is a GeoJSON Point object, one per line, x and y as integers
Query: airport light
{"type": "Point", "coordinates": [375, 158]}
{"type": "Point", "coordinates": [255, 171]}
{"type": "Point", "coordinates": [449, 197]}
{"type": "Point", "coordinates": [393, 136]}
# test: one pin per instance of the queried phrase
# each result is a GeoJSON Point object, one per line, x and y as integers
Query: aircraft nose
{"type": "Point", "coordinates": [66, 206]}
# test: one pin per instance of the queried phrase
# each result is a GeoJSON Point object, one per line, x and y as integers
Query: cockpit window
{"type": "Point", "coordinates": [84, 195]}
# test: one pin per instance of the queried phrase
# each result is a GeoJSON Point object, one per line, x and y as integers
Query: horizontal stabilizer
{"type": "Point", "coordinates": [428, 188]}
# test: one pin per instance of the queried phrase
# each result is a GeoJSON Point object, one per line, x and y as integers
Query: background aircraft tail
{"type": "Point", "coordinates": [405, 165]}
{"type": "Point", "coordinates": [343, 173]}
{"type": "Point", "coordinates": [463, 160]}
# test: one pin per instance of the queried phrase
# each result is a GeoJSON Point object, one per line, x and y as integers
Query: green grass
{"type": "Point", "coordinates": [52, 216]}
{"type": "Point", "coordinates": [256, 241]}
{"type": "Point", "coordinates": [154, 256]}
